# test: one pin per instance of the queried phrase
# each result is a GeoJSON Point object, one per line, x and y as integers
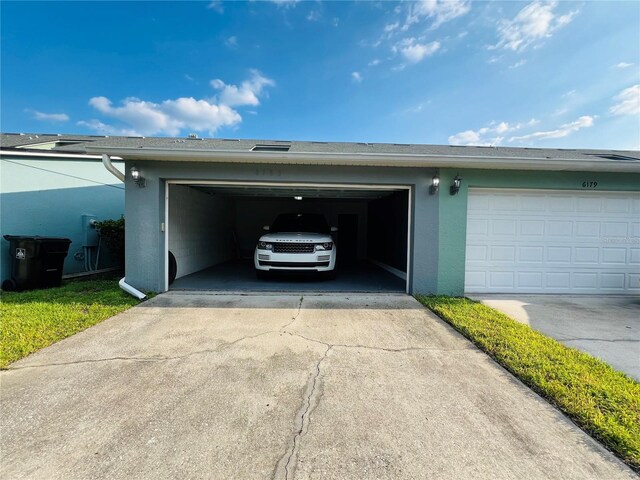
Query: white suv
{"type": "Point", "coordinates": [296, 242]}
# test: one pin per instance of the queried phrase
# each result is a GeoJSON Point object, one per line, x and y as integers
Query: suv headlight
{"type": "Point", "coordinates": [264, 246]}
{"type": "Point", "coordinates": [324, 246]}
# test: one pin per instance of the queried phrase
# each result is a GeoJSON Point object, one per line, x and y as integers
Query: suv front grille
{"type": "Point", "coordinates": [281, 247]}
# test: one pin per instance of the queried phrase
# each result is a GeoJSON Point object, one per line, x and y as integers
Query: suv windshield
{"type": "Point", "coordinates": [300, 222]}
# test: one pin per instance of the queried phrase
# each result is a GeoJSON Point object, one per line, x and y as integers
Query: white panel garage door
{"type": "Point", "coordinates": [543, 241]}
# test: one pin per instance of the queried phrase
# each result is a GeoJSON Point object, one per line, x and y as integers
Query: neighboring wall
{"type": "Point", "coordinates": [48, 197]}
{"type": "Point", "coordinates": [453, 208]}
{"type": "Point", "coordinates": [200, 229]}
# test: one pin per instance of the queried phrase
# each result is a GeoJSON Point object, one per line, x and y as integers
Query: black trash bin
{"type": "Point", "coordinates": [36, 262]}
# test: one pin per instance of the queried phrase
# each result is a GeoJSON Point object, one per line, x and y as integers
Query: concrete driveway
{"type": "Point", "coordinates": [607, 327]}
{"type": "Point", "coordinates": [241, 387]}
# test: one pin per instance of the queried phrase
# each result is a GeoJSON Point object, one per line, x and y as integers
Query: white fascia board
{"type": "Point", "coordinates": [68, 156]}
{"type": "Point", "coordinates": [369, 159]}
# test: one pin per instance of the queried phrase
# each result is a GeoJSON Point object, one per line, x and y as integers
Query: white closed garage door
{"type": "Point", "coordinates": [549, 241]}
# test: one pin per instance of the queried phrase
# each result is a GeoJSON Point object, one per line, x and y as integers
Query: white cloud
{"type": "Point", "coordinates": [628, 102]}
{"type": "Point", "coordinates": [313, 16]}
{"type": "Point", "coordinates": [390, 27]}
{"type": "Point", "coordinates": [564, 130]}
{"type": "Point", "coordinates": [518, 64]}
{"type": "Point", "coordinates": [168, 117]}
{"type": "Point", "coordinates": [416, 52]}
{"type": "Point", "coordinates": [217, 6]}
{"type": "Point", "coordinates": [622, 65]}
{"type": "Point", "coordinates": [534, 22]}
{"type": "Point", "coordinates": [440, 11]}
{"type": "Point", "coordinates": [335, 22]}
{"type": "Point", "coordinates": [172, 116]}
{"type": "Point", "coordinates": [49, 117]}
{"type": "Point", "coordinates": [491, 135]}
{"type": "Point", "coordinates": [246, 94]}
{"type": "Point", "coordinates": [468, 137]}
{"type": "Point", "coordinates": [189, 77]}
{"type": "Point", "coordinates": [104, 129]}
{"type": "Point", "coordinates": [374, 62]}
{"type": "Point", "coordinates": [417, 108]}
{"type": "Point", "coordinates": [231, 42]}
{"type": "Point", "coordinates": [357, 77]}
{"type": "Point", "coordinates": [285, 3]}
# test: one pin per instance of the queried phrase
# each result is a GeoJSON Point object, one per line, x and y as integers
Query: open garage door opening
{"type": "Point", "coordinates": [213, 229]}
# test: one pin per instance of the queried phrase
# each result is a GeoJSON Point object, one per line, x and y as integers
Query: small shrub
{"type": "Point", "coordinates": [112, 233]}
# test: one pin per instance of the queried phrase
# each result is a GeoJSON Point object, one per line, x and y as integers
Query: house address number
{"type": "Point", "coordinates": [592, 184]}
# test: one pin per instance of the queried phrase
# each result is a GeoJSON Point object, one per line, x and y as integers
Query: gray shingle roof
{"type": "Point", "coordinates": [100, 143]}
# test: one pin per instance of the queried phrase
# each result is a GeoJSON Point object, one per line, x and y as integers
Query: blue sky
{"type": "Point", "coordinates": [548, 74]}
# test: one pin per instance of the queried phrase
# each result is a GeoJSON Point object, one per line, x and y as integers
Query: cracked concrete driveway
{"type": "Point", "coordinates": [275, 386]}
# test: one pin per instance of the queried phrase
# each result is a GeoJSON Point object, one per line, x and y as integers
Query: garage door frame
{"type": "Point", "coordinates": [569, 192]}
{"type": "Point", "coordinates": [346, 186]}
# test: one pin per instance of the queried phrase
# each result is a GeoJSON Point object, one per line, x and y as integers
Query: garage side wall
{"type": "Point", "coordinates": [195, 240]}
{"type": "Point", "coordinates": [145, 208]}
{"type": "Point", "coordinates": [453, 208]}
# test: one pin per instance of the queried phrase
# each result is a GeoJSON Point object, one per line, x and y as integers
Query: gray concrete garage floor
{"type": "Point", "coordinates": [278, 386]}
{"type": "Point", "coordinates": [240, 276]}
{"type": "Point", "coordinates": [607, 327]}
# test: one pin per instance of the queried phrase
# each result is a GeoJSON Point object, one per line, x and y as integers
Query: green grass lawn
{"type": "Point", "coordinates": [602, 401]}
{"type": "Point", "coordinates": [32, 320]}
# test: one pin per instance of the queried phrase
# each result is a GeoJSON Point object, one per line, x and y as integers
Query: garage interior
{"type": "Point", "coordinates": [213, 230]}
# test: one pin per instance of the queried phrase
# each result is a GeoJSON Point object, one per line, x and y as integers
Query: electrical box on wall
{"type": "Point", "coordinates": [90, 234]}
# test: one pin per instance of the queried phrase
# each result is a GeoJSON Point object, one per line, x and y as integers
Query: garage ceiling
{"type": "Point", "coordinates": [289, 192]}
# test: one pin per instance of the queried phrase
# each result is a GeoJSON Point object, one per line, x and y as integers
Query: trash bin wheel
{"type": "Point", "coordinates": [173, 268]}
{"type": "Point", "coordinates": [9, 285]}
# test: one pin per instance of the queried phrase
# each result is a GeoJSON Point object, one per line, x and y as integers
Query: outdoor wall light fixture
{"type": "Point", "coordinates": [137, 177]}
{"type": "Point", "coordinates": [435, 185]}
{"type": "Point", "coordinates": [297, 197]}
{"type": "Point", "coordinates": [455, 187]}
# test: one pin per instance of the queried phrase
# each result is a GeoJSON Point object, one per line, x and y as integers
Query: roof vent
{"type": "Point", "coordinates": [271, 148]}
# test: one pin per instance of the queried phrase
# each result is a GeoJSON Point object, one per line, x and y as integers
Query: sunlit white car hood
{"type": "Point", "coordinates": [296, 237]}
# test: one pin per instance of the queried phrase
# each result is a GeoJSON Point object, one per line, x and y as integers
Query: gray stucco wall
{"type": "Point", "coordinates": [145, 210]}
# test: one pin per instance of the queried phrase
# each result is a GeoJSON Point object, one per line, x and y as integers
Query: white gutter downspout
{"type": "Point", "coordinates": [130, 290]}
{"type": "Point", "coordinates": [106, 161]}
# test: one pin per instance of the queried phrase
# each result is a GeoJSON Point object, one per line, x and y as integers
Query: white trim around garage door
{"type": "Point", "coordinates": [346, 186]}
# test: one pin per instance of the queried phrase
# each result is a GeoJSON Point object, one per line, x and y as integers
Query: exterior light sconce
{"type": "Point", "coordinates": [297, 197]}
{"type": "Point", "coordinates": [435, 185]}
{"type": "Point", "coordinates": [137, 177]}
{"type": "Point", "coordinates": [455, 187]}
